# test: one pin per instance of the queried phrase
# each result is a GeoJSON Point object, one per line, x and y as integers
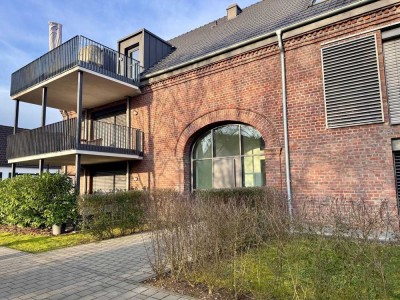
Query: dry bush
{"type": "Point", "coordinates": [243, 241]}
{"type": "Point", "coordinates": [353, 245]}
{"type": "Point", "coordinates": [359, 219]}
{"type": "Point", "coordinates": [193, 233]}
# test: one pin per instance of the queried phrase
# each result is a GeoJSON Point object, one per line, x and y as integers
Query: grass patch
{"type": "Point", "coordinates": [36, 243]}
{"type": "Point", "coordinates": [308, 268]}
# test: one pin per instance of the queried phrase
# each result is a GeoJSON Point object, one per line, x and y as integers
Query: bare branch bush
{"type": "Point", "coordinates": [244, 241]}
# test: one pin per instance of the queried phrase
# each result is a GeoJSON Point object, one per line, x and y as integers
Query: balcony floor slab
{"type": "Point", "coordinates": [98, 90]}
{"type": "Point", "coordinates": [67, 157]}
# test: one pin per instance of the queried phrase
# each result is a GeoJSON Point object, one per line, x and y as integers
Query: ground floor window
{"type": "Point", "coordinates": [109, 178]}
{"type": "Point", "coordinates": [228, 156]}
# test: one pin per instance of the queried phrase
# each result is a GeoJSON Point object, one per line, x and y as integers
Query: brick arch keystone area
{"type": "Point", "coordinates": [262, 123]}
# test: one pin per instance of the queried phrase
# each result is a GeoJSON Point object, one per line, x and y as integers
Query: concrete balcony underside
{"type": "Point", "coordinates": [67, 157]}
{"type": "Point", "coordinates": [97, 90]}
{"type": "Point", "coordinates": [108, 76]}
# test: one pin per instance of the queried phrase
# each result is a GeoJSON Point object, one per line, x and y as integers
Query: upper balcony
{"type": "Point", "coordinates": [109, 76]}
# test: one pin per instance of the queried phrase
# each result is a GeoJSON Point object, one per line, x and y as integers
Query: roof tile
{"type": "Point", "coordinates": [255, 20]}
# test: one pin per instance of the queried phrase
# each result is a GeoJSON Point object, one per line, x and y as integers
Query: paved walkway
{"type": "Point", "coordinates": [111, 269]}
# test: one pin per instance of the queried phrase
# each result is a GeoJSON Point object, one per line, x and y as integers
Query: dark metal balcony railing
{"type": "Point", "coordinates": [78, 51]}
{"type": "Point", "coordinates": [61, 136]}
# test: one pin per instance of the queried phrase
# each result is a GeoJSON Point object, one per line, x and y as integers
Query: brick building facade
{"type": "Point", "coordinates": [242, 84]}
{"type": "Point", "coordinates": [353, 162]}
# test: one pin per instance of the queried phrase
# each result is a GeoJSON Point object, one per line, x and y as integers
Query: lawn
{"type": "Point", "coordinates": [35, 243]}
{"type": "Point", "coordinates": [308, 268]}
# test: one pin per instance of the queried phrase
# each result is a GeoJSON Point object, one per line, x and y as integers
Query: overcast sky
{"type": "Point", "coordinates": [24, 33]}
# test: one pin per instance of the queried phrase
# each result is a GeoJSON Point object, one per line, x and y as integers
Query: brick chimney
{"type": "Point", "coordinates": [233, 11]}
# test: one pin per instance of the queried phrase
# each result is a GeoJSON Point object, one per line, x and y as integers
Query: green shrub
{"type": "Point", "coordinates": [37, 201]}
{"type": "Point", "coordinates": [108, 215]}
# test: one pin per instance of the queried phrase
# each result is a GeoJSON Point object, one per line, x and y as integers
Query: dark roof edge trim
{"type": "Point", "coordinates": [139, 32]}
{"type": "Point", "coordinates": [261, 37]}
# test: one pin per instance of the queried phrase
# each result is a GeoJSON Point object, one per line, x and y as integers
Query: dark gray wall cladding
{"type": "Point", "coordinates": [351, 83]}
{"type": "Point", "coordinates": [391, 51]}
{"type": "Point", "coordinates": [152, 49]}
{"type": "Point", "coordinates": [155, 50]}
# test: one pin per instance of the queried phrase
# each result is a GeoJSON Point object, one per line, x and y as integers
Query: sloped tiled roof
{"type": "Point", "coordinates": [5, 131]}
{"type": "Point", "coordinates": [255, 20]}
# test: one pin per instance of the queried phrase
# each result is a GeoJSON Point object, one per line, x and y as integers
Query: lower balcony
{"type": "Point", "coordinates": [59, 143]}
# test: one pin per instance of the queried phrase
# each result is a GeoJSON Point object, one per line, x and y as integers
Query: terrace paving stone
{"type": "Point", "coordinates": [111, 269]}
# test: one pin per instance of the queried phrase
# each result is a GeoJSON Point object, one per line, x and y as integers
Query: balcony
{"type": "Point", "coordinates": [109, 76]}
{"type": "Point", "coordinates": [57, 144]}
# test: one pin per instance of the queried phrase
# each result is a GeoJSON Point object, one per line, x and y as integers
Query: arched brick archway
{"type": "Point", "coordinates": [262, 123]}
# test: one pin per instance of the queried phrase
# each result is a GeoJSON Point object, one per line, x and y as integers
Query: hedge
{"type": "Point", "coordinates": [37, 201]}
{"type": "Point", "coordinates": [113, 214]}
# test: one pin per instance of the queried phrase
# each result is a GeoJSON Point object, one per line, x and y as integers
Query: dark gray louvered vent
{"type": "Point", "coordinates": [397, 171]}
{"type": "Point", "coordinates": [351, 83]}
{"type": "Point", "coordinates": [391, 51]}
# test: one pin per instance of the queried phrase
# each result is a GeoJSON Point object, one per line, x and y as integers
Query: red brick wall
{"type": "Point", "coordinates": [352, 162]}
{"type": "Point", "coordinates": [245, 89]}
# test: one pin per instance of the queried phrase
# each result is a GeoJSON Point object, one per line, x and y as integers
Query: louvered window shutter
{"type": "Point", "coordinates": [351, 83]}
{"type": "Point", "coordinates": [109, 181]}
{"type": "Point", "coordinates": [397, 172]}
{"type": "Point", "coordinates": [103, 181]}
{"type": "Point", "coordinates": [391, 51]}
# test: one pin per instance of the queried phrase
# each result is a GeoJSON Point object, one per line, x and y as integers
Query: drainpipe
{"type": "Point", "coordinates": [285, 123]}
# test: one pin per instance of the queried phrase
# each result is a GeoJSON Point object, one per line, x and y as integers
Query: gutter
{"type": "Point", "coordinates": [261, 37]}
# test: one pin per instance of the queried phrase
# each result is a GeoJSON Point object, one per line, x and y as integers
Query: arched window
{"type": "Point", "coordinates": [228, 156]}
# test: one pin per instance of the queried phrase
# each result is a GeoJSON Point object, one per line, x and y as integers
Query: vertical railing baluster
{"type": "Point", "coordinates": [60, 136]}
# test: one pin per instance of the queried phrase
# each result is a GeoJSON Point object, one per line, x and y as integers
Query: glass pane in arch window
{"type": "Point", "coordinates": [253, 171]}
{"type": "Point", "coordinates": [203, 174]}
{"type": "Point", "coordinates": [252, 141]}
{"type": "Point", "coordinates": [203, 147]}
{"type": "Point", "coordinates": [226, 141]}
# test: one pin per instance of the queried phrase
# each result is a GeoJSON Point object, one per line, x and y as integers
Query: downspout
{"type": "Point", "coordinates": [285, 124]}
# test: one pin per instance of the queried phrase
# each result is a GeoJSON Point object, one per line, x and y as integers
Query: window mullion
{"type": "Point", "coordinates": [212, 158]}
{"type": "Point", "coordinates": [241, 155]}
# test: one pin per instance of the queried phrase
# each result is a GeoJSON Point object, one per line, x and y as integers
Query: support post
{"type": "Point", "coordinates": [16, 116]}
{"type": "Point", "coordinates": [128, 139]}
{"type": "Point", "coordinates": [128, 123]}
{"type": "Point", "coordinates": [77, 172]}
{"type": "Point", "coordinates": [78, 132]}
{"type": "Point", "coordinates": [86, 137]}
{"type": "Point", "coordinates": [44, 106]}
{"type": "Point", "coordinates": [128, 177]}
{"type": "Point", "coordinates": [85, 181]}
{"type": "Point", "coordinates": [79, 110]}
